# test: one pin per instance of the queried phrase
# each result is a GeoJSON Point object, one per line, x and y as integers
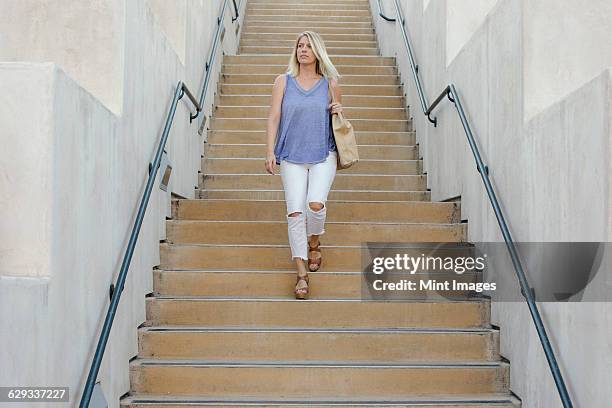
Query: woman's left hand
{"type": "Point", "coordinates": [335, 107]}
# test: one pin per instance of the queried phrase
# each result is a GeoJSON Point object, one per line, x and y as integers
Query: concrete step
{"type": "Point", "coordinates": [237, 112]}
{"type": "Point", "coordinates": [288, 50]}
{"type": "Point", "coordinates": [266, 89]}
{"type": "Point", "coordinates": [291, 36]}
{"type": "Point", "coordinates": [323, 28]}
{"type": "Point", "coordinates": [433, 401]}
{"type": "Point", "coordinates": [306, 7]}
{"type": "Point", "coordinates": [268, 79]}
{"type": "Point", "coordinates": [380, 101]}
{"type": "Point", "coordinates": [339, 19]}
{"type": "Point", "coordinates": [290, 43]}
{"type": "Point", "coordinates": [280, 284]}
{"type": "Point", "coordinates": [263, 257]}
{"type": "Point", "coordinates": [336, 233]}
{"type": "Point", "coordinates": [284, 313]}
{"type": "Point", "coordinates": [259, 137]}
{"type": "Point", "coordinates": [345, 195]}
{"type": "Point", "coordinates": [377, 152]}
{"type": "Point", "coordinates": [281, 69]}
{"type": "Point", "coordinates": [369, 60]}
{"type": "Point", "coordinates": [305, 11]}
{"type": "Point", "coordinates": [341, 182]}
{"type": "Point", "coordinates": [256, 165]}
{"type": "Point", "coordinates": [311, 3]}
{"type": "Point", "coordinates": [319, 380]}
{"type": "Point", "coordinates": [331, 345]}
{"type": "Point", "coordinates": [340, 211]}
{"type": "Point", "coordinates": [361, 125]}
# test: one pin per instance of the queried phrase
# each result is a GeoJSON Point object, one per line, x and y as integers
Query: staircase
{"type": "Point", "coordinates": [223, 328]}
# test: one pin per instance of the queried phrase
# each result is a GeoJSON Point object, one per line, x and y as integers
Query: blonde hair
{"type": "Point", "coordinates": [324, 66]}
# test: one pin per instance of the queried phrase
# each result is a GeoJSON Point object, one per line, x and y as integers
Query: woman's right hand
{"type": "Point", "coordinates": [270, 163]}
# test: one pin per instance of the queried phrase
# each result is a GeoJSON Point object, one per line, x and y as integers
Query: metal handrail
{"type": "Point", "coordinates": [116, 290]}
{"type": "Point", "coordinates": [211, 58]}
{"type": "Point", "coordinates": [451, 93]}
{"type": "Point", "coordinates": [382, 14]}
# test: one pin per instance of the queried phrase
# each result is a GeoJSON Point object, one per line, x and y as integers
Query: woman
{"type": "Point", "coordinates": [300, 120]}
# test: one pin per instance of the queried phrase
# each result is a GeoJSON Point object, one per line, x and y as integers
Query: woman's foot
{"type": "Point", "coordinates": [301, 286]}
{"type": "Point", "coordinates": [314, 255]}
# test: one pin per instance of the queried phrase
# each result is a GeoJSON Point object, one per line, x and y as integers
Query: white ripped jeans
{"type": "Point", "coordinates": [304, 184]}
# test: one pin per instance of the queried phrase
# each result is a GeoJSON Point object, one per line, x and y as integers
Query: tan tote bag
{"type": "Point", "coordinates": [344, 137]}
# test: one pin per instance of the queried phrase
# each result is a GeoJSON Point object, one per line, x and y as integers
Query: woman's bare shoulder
{"type": "Point", "coordinates": [280, 79]}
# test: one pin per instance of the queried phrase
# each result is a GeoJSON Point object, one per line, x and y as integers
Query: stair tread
{"type": "Point", "coordinates": [188, 317]}
{"type": "Point", "coordinates": [368, 223]}
{"type": "Point", "coordinates": [307, 301]}
{"type": "Point", "coordinates": [357, 190]}
{"type": "Point", "coordinates": [286, 271]}
{"type": "Point", "coordinates": [347, 202]}
{"type": "Point", "coordinates": [337, 175]}
{"type": "Point", "coordinates": [445, 399]}
{"type": "Point", "coordinates": [311, 364]}
{"type": "Point", "coordinates": [207, 329]}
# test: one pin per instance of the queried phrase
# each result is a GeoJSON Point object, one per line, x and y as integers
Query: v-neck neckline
{"type": "Point", "coordinates": [311, 88]}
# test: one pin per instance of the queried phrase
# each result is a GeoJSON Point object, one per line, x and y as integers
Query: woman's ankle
{"type": "Point", "coordinates": [300, 267]}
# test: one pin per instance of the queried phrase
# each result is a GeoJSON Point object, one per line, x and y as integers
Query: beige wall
{"type": "Point", "coordinates": [77, 139]}
{"type": "Point", "coordinates": [566, 44]}
{"type": "Point", "coordinates": [463, 18]}
{"type": "Point", "coordinates": [550, 166]}
{"type": "Point", "coordinates": [171, 17]}
{"type": "Point", "coordinates": [84, 37]}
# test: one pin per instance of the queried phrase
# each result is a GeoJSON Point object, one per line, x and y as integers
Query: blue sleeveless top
{"type": "Point", "coordinates": [305, 132]}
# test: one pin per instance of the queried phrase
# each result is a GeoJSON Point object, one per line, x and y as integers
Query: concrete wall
{"type": "Point", "coordinates": [83, 37]}
{"type": "Point", "coordinates": [540, 107]}
{"type": "Point", "coordinates": [85, 92]}
{"type": "Point", "coordinates": [553, 71]}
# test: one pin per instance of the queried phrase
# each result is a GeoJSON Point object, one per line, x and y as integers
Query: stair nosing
{"type": "Point", "coordinates": [307, 301]}
{"type": "Point", "coordinates": [408, 330]}
{"type": "Point", "coordinates": [361, 160]}
{"type": "Point", "coordinates": [279, 364]}
{"type": "Point", "coordinates": [201, 200]}
{"type": "Point", "coordinates": [425, 401]}
{"type": "Point", "coordinates": [177, 271]}
{"type": "Point", "coordinates": [285, 65]}
{"type": "Point", "coordinates": [343, 85]}
{"type": "Point", "coordinates": [344, 95]}
{"type": "Point", "coordinates": [264, 144]}
{"type": "Point", "coordinates": [284, 222]}
{"type": "Point", "coordinates": [267, 106]}
{"type": "Point", "coordinates": [349, 175]}
{"type": "Point", "coordinates": [254, 190]}
{"type": "Point", "coordinates": [183, 245]}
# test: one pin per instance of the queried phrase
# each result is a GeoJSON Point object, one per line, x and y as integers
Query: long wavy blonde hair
{"type": "Point", "coordinates": [324, 66]}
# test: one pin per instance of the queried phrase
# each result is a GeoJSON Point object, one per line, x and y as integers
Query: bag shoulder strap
{"type": "Point", "coordinates": [331, 94]}
{"type": "Point", "coordinates": [340, 115]}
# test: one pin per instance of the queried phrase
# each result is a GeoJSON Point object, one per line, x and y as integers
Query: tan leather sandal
{"type": "Point", "coordinates": [314, 263]}
{"type": "Point", "coordinates": [301, 291]}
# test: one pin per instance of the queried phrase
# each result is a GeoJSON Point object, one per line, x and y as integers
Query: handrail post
{"type": "Point", "coordinates": [382, 14]}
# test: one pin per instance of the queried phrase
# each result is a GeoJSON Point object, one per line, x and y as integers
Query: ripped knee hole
{"type": "Point", "coordinates": [316, 206]}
